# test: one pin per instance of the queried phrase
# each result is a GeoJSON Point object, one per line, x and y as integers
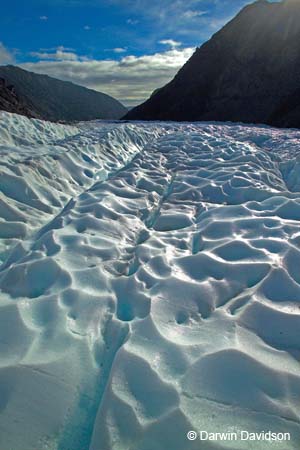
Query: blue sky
{"type": "Point", "coordinates": [126, 48]}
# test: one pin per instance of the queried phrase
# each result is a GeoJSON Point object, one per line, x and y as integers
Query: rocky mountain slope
{"type": "Point", "coordinates": [10, 102]}
{"type": "Point", "coordinates": [51, 99]}
{"type": "Point", "coordinates": [248, 72]}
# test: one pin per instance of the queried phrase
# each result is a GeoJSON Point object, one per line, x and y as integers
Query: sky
{"type": "Point", "coordinates": [124, 48]}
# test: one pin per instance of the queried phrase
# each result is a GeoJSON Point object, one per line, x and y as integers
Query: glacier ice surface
{"type": "Point", "coordinates": [150, 284]}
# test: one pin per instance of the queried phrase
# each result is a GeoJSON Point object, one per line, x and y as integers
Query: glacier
{"type": "Point", "coordinates": [150, 284]}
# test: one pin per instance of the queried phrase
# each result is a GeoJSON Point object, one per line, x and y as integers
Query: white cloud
{"type": "Point", "coordinates": [87, 27]}
{"type": "Point", "coordinates": [119, 50]}
{"type": "Point", "coordinates": [170, 42]}
{"type": "Point", "coordinates": [131, 79]}
{"type": "Point", "coordinates": [58, 54]}
{"type": "Point", "coordinates": [190, 14]}
{"type": "Point", "coordinates": [132, 21]}
{"type": "Point", "coordinates": [44, 18]}
{"type": "Point", "coordinates": [171, 16]}
{"type": "Point", "coordinates": [5, 56]}
{"type": "Point", "coordinates": [60, 47]}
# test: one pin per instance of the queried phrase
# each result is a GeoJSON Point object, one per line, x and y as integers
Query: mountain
{"type": "Point", "coordinates": [51, 99]}
{"type": "Point", "coordinates": [248, 72]}
{"type": "Point", "coordinates": [10, 102]}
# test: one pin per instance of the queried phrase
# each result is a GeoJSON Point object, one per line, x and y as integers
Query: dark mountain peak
{"type": "Point", "coordinates": [249, 71]}
{"type": "Point", "coordinates": [52, 99]}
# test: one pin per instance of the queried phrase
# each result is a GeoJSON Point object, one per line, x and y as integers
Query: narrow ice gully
{"type": "Point", "coordinates": [150, 285]}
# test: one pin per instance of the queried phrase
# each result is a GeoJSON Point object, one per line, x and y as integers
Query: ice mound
{"type": "Point", "coordinates": [43, 165]}
{"type": "Point", "coordinates": [150, 285]}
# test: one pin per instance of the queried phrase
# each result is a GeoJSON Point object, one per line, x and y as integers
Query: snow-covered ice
{"type": "Point", "coordinates": [150, 285]}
